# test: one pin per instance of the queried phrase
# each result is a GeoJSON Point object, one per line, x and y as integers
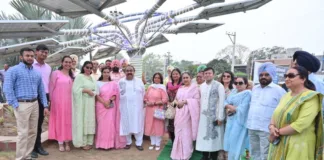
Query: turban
{"type": "Point", "coordinates": [201, 68]}
{"type": "Point", "coordinates": [114, 62]}
{"type": "Point", "coordinates": [122, 61]}
{"type": "Point", "coordinates": [268, 67]}
{"type": "Point", "coordinates": [170, 68]}
{"type": "Point", "coordinates": [308, 61]}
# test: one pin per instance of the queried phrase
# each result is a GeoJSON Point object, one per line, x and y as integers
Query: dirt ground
{"type": "Point", "coordinates": [94, 154]}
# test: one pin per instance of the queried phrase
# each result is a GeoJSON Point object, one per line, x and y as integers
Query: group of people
{"type": "Point", "coordinates": [106, 104]}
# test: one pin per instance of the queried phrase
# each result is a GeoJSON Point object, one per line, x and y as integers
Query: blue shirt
{"type": "Point", "coordinates": [263, 102]}
{"type": "Point", "coordinates": [23, 83]}
{"type": "Point", "coordinates": [319, 84]}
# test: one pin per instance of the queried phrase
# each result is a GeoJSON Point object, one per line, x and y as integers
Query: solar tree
{"type": "Point", "coordinates": [114, 34]}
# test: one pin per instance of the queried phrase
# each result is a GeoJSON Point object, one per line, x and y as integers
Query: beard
{"type": "Point", "coordinates": [27, 63]}
{"type": "Point", "coordinates": [264, 81]}
{"type": "Point", "coordinates": [115, 69]}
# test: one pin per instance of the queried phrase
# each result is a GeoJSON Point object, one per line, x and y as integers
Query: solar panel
{"type": "Point", "coordinates": [105, 52]}
{"type": "Point", "coordinates": [228, 8]}
{"type": "Point", "coordinates": [56, 57]}
{"type": "Point", "coordinates": [196, 27]}
{"type": "Point", "coordinates": [208, 2]}
{"type": "Point", "coordinates": [29, 28]}
{"type": "Point", "coordinates": [72, 10]}
{"type": "Point", "coordinates": [14, 50]}
{"type": "Point", "coordinates": [157, 41]}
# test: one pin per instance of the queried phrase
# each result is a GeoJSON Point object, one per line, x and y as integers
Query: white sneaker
{"type": "Point", "coordinates": [151, 147]}
{"type": "Point", "coordinates": [157, 148]}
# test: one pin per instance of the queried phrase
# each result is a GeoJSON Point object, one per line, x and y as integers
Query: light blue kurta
{"type": "Point", "coordinates": [319, 85]}
{"type": "Point", "coordinates": [236, 133]}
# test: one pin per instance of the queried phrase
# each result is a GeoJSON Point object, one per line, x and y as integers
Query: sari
{"type": "Point", "coordinates": [108, 120]}
{"type": "Point", "coordinates": [303, 114]}
{"type": "Point", "coordinates": [172, 92]}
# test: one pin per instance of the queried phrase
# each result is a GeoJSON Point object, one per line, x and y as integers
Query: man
{"type": "Point", "coordinates": [23, 85]}
{"type": "Point", "coordinates": [200, 75]}
{"type": "Point", "coordinates": [108, 63]}
{"type": "Point", "coordinates": [95, 73]}
{"type": "Point", "coordinates": [312, 64]}
{"type": "Point", "coordinates": [116, 74]}
{"type": "Point", "coordinates": [45, 71]}
{"type": "Point", "coordinates": [3, 72]}
{"type": "Point", "coordinates": [75, 60]}
{"type": "Point", "coordinates": [210, 136]}
{"type": "Point", "coordinates": [131, 108]}
{"type": "Point", "coordinates": [265, 98]}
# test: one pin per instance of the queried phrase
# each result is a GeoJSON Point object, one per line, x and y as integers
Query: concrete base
{"type": "Point", "coordinates": [8, 143]}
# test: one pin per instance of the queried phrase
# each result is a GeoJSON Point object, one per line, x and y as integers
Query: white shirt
{"type": "Point", "coordinates": [263, 102]}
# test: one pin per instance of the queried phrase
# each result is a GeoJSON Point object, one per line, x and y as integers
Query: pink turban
{"type": "Point", "coordinates": [115, 62]}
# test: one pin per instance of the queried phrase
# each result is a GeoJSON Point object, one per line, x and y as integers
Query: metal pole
{"type": "Point", "coordinates": [233, 56]}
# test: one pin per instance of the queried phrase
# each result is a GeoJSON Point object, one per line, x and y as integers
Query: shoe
{"type": "Point", "coordinates": [34, 154]}
{"type": "Point", "coordinates": [42, 152]}
{"type": "Point", "coordinates": [140, 148]}
{"type": "Point", "coordinates": [127, 147]}
{"type": "Point", "coordinates": [151, 147]}
{"type": "Point", "coordinates": [157, 148]}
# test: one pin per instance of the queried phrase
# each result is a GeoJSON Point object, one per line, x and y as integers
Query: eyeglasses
{"type": "Point", "coordinates": [265, 75]}
{"type": "Point", "coordinates": [224, 76]}
{"type": "Point", "coordinates": [238, 83]}
{"type": "Point", "coordinates": [290, 75]}
{"type": "Point", "coordinates": [88, 67]}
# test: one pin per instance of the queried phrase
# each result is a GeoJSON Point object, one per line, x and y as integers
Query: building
{"type": "Point", "coordinates": [285, 54]}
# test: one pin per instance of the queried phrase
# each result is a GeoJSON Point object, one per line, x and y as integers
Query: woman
{"type": "Point", "coordinates": [107, 113]}
{"type": "Point", "coordinates": [296, 128]}
{"type": "Point", "coordinates": [186, 119]}
{"type": "Point", "coordinates": [83, 109]}
{"type": "Point", "coordinates": [172, 89]}
{"type": "Point", "coordinates": [154, 99]}
{"type": "Point", "coordinates": [227, 80]}
{"type": "Point", "coordinates": [60, 93]}
{"type": "Point", "coordinates": [237, 108]}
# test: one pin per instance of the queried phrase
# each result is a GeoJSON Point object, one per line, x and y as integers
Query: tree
{"type": "Point", "coordinates": [219, 65]}
{"type": "Point", "coordinates": [186, 66]}
{"type": "Point", "coordinates": [151, 64]}
{"type": "Point", "coordinates": [241, 54]}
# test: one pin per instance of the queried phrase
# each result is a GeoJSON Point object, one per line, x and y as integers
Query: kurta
{"type": "Point", "coordinates": [153, 126]}
{"type": "Point", "coordinates": [116, 76]}
{"type": "Point", "coordinates": [108, 120]}
{"type": "Point", "coordinates": [303, 114]}
{"type": "Point", "coordinates": [60, 120]}
{"type": "Point", "coordinates": [83, 111]}
{"type": "Point", "coordinates": [210, 137]}
{"type": "Point", "coordinates": [131, 106]}
{"type": "Point", "coordinates": [236, 133]}
{"type": "Point", "coordinates": [186, 122]}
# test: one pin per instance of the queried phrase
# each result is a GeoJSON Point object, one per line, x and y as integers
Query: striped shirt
{"type": "Point", "coordinates": [23, 83]}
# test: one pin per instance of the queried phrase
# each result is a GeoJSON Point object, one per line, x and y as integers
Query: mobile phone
{"type": "Point", "coordinates": [276, 141]}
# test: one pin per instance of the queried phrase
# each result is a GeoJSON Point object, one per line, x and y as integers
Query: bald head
{"type": "Point", "coordinates": [6, 67]}
{"type": "Point", "coordinates": [95, 65]}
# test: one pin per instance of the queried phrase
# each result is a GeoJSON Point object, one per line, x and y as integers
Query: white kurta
{"type": "Point", "coordinates": [210, 138]}
{"type": "Point", "coordinates": [131, 106]}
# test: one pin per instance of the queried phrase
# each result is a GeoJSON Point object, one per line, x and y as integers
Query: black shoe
{"type": "Point", "coordinates": [34, 154]}
{"type": "Point", "coordinates": [140, 148]}
{"type": "Point", "coordinates": [41, 151]}
{"type": "Point", "coordinates": [127, 147]}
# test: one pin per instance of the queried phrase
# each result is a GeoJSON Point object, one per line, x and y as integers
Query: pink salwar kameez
{"type": "Point", "coordinates": [153, 126]}
{"type": "Point", "coordinates": [186, 122]}
{"type": "Point", "coordinates": [60, 120]}
{"type": "Point", "coordinates": [108, 120]}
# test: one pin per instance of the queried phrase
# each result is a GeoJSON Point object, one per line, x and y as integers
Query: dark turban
{"type": "Point", "coordinates": [307, 60]}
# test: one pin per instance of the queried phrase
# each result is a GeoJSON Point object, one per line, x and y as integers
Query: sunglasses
{"type": "Point", "coordinates": [238, 83]}
{"type": "Point", "coordinates": [224, 76]}
{"type": "Point", "coordinates": [88, 67]}
{"type": "Point", "coordinates": [265, 75]}
{"type": "Point", "coordinates": [290, 75]}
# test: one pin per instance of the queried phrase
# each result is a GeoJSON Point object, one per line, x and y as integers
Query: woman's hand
{"type": "Point", "coordinates": [113, 98]}
{"type": "Point", "coordinates": [107, 104]}
{"type": "Point", "coordinates": [230, 109]}
{"type": "Point", "coordinates": [89, 92]}
{"type": "Point", "coordinates": [274, 131]}
{"type": "Point", "coordinates": [272, 138]}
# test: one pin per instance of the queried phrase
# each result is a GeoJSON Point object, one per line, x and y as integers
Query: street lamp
{"type": "Point", "coordinates": [230, 35]}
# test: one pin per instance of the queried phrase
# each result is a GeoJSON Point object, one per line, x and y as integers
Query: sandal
{"type": "Point", "coordinates": [67, 147]}
{"type": "Point", "coordinates": [151, 147]}
{"type": "Point", "coordinates": [61, 148]}
{"type": "Point", "coordinates": [157, 148]}
{"type": "Point", "coordinates": [86, 148]}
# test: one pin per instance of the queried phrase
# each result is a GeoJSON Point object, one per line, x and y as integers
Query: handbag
{"type": "Point", "coordinates": [170, 112]}
{"type": "Point", "coordinates": [159, 114]}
